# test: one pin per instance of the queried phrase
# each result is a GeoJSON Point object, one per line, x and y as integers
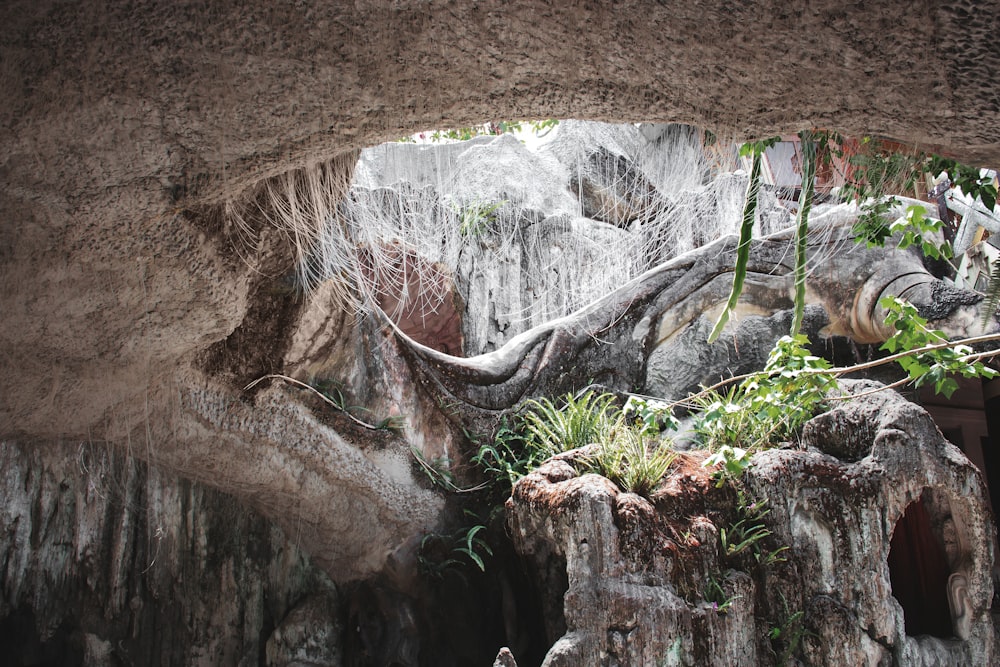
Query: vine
{"type": "Point", "coordinates": [874, 170]}
{"type": "Point", "coordinates": [755, 151]}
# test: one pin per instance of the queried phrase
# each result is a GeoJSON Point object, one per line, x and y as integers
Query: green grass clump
{"type": "Point", "coordinates": [629, 449]}
{"type": "Point", "coordinates": [632, 460]}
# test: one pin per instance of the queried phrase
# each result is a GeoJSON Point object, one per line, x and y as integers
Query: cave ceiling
{"type": "Point", "coordinates": [126, 125]}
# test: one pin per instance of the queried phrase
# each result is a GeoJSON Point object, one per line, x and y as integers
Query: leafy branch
{"type": "Point", "coordinates": [857, 368]}
{"type": "Point", "coordinates": [923, 366]}
{"type": "Point", "coordinates": [766, 406]}
{"type": "Point", "coordinates": [915, 229]}
{"type": "Point", "coordinates": [878, 171]}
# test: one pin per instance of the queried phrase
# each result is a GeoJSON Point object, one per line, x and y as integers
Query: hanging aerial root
{"type": "Point", "coordinates": [302, 205]}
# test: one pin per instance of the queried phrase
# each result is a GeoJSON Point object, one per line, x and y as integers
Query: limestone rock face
{"type": "Point", "coordinates": [135, 310]}
{"type": "Point", "coordinates": [649, 582]}
{"type": "Point", "coordinates": [109, 562]}
{"type": "Point", "coordinates": [310, 635]}
{"type": "Point", "coordinates": [122, 122]}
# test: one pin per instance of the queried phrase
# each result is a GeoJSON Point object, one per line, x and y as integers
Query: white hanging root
{"type": "Point", "coordinates": [384, 244]}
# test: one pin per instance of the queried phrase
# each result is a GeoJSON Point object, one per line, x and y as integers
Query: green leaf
{"type": "Point", "coordinates": [989, 198]}
{"type": "Point", "coordinates": [743, 247]}
{"type": "Point", "coordinates": [946, 386]}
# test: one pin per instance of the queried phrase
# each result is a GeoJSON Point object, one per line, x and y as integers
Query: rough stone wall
{"type": "Point", "coordinates": [107, 562]}
{"type": "Point", "coordinates": [637, 570]}
{"type": "Point", "coordinates": [118, 117]}
{"type": "Point", "coordinates": [124, 126]}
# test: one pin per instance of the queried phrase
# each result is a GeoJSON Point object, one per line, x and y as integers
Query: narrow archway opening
{"type": "Point", "coordinates": [918, 573]}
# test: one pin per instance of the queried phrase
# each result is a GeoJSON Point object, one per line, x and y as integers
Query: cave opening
{"type": "Point", "coordinates": [25, 645]}
{"type": "Point", "coordinates": [919, 573]}
{"type": "Point", "coordinates": [456, 614]}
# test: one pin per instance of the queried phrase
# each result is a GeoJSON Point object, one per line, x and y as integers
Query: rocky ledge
{"type": "Point", "coordinates": [888, 561]}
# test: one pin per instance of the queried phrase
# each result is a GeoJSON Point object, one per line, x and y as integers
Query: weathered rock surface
{"type": "Point", "coordinates": [504, 659]}
{"type": "Point", "coordinates": [618, 339]}
{"type": "Point", "coordinates": [134, 311]}
{"type": "Point", "coordinates": [638, 572]}
{"type": "Point", "coordinates": [107, 561]}
{"type": "Point", "coordinates": [352, 500]}
{"type": "Point", "coordinates": [310, 636]}
{"type": "Point", "coordinates": [121, 120]}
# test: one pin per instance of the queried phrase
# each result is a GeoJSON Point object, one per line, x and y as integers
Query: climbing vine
{"type": "Point", "coordinates": [874, 172]}
{"type": "Point", "coordinates": [755, 151]}
{"type": "Point", "coordinates": [808, 144]}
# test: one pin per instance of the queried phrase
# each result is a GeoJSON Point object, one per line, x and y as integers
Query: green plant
{"type": "Point", "coordinates": [736, 419]}
{"type": "Point", "coordinates": [543, 430]}
{"type": "Point", "coordinates": [715, 594]}
{"type": "Point", "coordinates": [741, 536]}
{"type": "Point", "coordinates": [629, 450]}
{"type": "Point", "coordinates": [626, 453]}
{"type": "Point", "coordinates": [631, 460]}
{"type": "Point", "coordinates": [970, 180]}
{"type": "Point", "coordinates": [766, 406]}
{"type": "Point", "coordinates": [476, 218]}
{"type": "Point", "coordinates": [582, 421]}
{"type": "Point", "coordinates": [786, 636]}
{"type": "Point", "coordinates": [333, 391]}
{"type": "Point", "coordinates": [440, 552]}
{"type": "Point", "coordinates": [928, 363]}
{"type": "Point", "coordinates": [542, 127]}
{"type": "Point", "coordinates": [875, 171]}
{"type": "Point", "coordinates": [878, 171]}
{"type": "Point", "coordinates": [725, 421]}
{"type": "Point", "coordinates": [507, 458]}
{"type": "Point", "coordinates": [732, 461]}
{"type": "Point", "coordinates": [792, 386]}
{"type": "Point", "coordinates": [650, 415]}
{"type": "Point", "coordinates": [746, 535]}
{"type": "Point", "coordinates": [871, 227]}
{"type": "Point", "coordinates": [754, 150]}
{"type": "Point", "coordinates": [392, 423]}
{"type": "Point", "coordinates": [472, 544]}
{"type": "Point", "coordinates": [916, 229]}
